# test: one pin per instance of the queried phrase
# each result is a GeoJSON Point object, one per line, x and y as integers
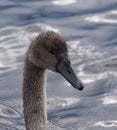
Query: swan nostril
{"type": "Point", "coordinates": [69, 71]}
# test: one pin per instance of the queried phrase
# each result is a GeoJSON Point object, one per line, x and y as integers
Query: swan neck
{"type": "Point", "coordinates": [34, 95]}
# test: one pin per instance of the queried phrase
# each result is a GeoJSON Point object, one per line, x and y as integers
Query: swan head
{"type": "Point", "coordinates": [45, 49]}
{"type": "Point", "coordinates": [49, 51]}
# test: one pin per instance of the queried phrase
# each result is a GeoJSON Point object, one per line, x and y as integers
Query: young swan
{"type": "Point", "coordinates": [47, 51]}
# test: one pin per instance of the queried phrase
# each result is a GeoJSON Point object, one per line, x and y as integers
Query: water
{"type": "Point", "coordinates": [90, 28]}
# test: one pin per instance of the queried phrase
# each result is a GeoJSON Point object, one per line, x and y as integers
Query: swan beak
{"type": "Point", "coordinates": [65, 69]}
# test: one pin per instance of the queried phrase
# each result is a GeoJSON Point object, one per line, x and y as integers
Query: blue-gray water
{"type": "Point", "coordinates": [90, 28]}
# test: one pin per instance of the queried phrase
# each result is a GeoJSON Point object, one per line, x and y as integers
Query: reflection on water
{"type": "Point", "coordinates": [110, 17]}
{"type": "Point", "coordinates": [90, 30]}
{"type": "Point", "coordinates": [65, 2]}
{"type": "Point", "coordinates": [61, 102]}
{"type": "Point", "coordinates": [110, 100]}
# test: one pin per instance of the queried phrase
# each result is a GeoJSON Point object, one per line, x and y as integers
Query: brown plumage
{"type": "Point", "coordinates": [39, 57]}
{"type": "Point", "coordinates": [47, 51]}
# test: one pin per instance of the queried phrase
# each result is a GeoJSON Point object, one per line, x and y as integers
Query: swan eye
{"type": "Point", "coordinates": [52, 52]}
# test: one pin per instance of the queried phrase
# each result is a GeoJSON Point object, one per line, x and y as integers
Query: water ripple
{"type": "Point", "coordinates": [90, 29]}
{"type": "Point", "coordinates": [106, 124]}
{"type": "Point", "coordinates": [10, 115]}
{"type": "Point", "coordinates": [14, 42]}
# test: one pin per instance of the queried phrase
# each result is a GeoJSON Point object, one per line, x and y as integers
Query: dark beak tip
{"type": "Point", "coordinates": [81, 88]}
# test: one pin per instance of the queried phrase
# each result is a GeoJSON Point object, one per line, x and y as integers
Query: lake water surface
{"type": "Point", "coordinates": [90, 29]}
